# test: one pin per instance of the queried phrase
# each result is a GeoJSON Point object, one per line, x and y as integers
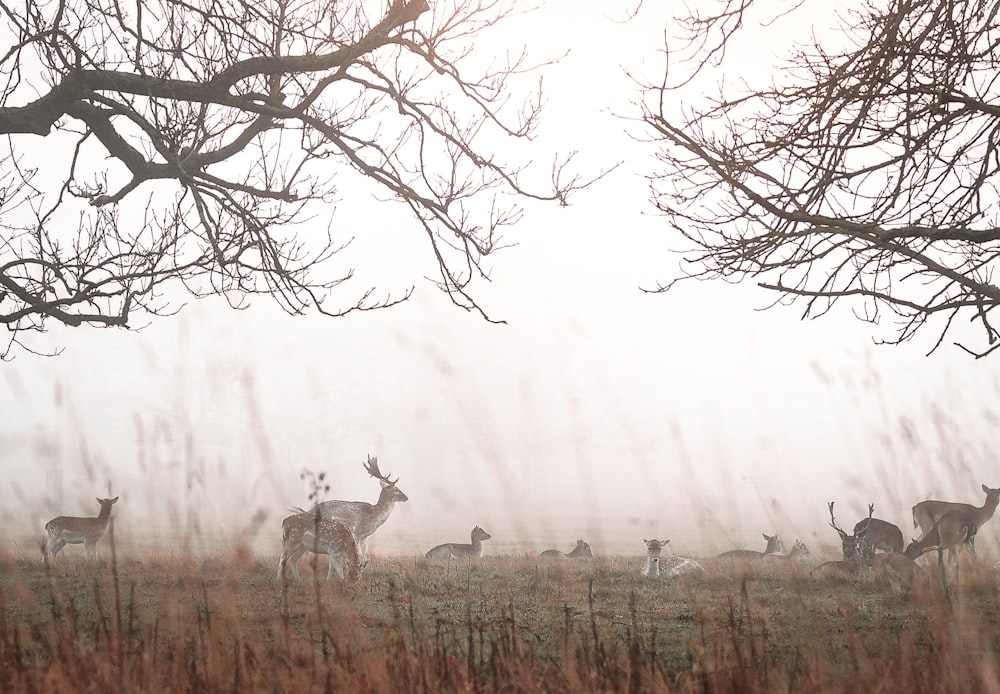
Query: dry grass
{"type": "Point", "coordinates": [503, 623]}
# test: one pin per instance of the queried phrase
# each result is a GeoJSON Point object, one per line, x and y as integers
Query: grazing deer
{"type": "Point", "coordinates": [581, 551]}
{"type": "Point", "coordinates": [453, 550]}
{"type": "Point", "coordinates": [774, 546]}
{"type": "Point", "coordinates": [70, 530]}
{"type": "Point", "coordinates": [927, 514]}
{"type": "Point", "coordinates": [870, 534]}
{"type": "Point", "coordinates": [955, 528]}
{"type": "Point", "coordinates": [657, 565]}
{"type": "Point", "coordinates": [310, 531]}
{"type": "Point", "coordinates": [362, 518]}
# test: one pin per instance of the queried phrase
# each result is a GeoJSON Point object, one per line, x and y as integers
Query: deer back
{"type": "Point", "coordinates": [875, 533]}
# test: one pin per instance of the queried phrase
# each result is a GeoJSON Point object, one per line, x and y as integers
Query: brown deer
{"type": "Point", "coordinates": [859, 553]}
{"type": "Point", "coordinates": [453, 550]}
{"type": "Point", "coordinates": [927, 514]}
{"type": "Point", "coordinates": [581, 551]}
{"type": "Point", "coordinates": [956, 528]}
{"type": "Point", "coordinates": [870, 534]}
{"type": "Point", "coordinates": [774, 546]}
{"type": "Point", "coordinates": [70, 530]}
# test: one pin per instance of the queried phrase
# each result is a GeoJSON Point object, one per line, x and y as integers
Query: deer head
{"type": "Point", "coordinates": [849, 543]}
{"type": "Point", "coordinates": [388, 486]}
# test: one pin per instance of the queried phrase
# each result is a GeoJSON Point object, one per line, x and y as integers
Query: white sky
{"type": "Point", "coordinates": [598, 412]}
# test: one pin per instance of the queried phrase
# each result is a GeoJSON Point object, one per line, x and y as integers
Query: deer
{"type": "Point", "coordinates": [657, 565]}
{"type": "Point", "coordinates": [870, 534]}
{"type": "Point", "coordinates": [360, 517]}
{"type": "Point", "coordinates": [774, 546]}
{"type": "Point", "coordinates": [928, 513]}
{"type": "Point", "coordinates": [956, 528]}
{"type": "Point", "coordinates": [313, 532]}
{"type": "Point", "coordinates": [581, 551]}
{"type": "Point", "coordinates": [798, 552]}
{"type": "Point", "coordinates": [859, 553]}
{"type": "Point", "coordinates": [70, 530]}
{"type": "Point", "coordinates": [453, 550]}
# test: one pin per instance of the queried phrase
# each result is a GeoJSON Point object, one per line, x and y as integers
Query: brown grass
{"type": "Point", "coordinates": [499, 624]}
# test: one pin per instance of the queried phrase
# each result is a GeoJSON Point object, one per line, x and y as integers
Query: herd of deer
{"type": "Point", "coordinates": [340, 530]}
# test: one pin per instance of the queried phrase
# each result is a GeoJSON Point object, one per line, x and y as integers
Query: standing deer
{"type": "Point", "coordinates": [927, 514]}
{"type": "Point", "coordinates": [453, 550]}
{"type": "Point", "coordinates": [774, 546]}
{"type": "Point", "coordinates": [581, 551]}
{"type": "Point", "coordinates": [360, 517]}
{"type": "Point", "coordinates": [657, 565]}
{"type": "Point", "coordinates": [310, 531]}
{"type": "Point", "coordinates": [70, 530]}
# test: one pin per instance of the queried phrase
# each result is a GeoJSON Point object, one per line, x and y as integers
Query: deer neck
{"type": "Point", "coordinates": [987, 509]}
{"type": "Point", "coordinates": [382, 508]}
{"type": "Point", "coordinates": [104, 516]}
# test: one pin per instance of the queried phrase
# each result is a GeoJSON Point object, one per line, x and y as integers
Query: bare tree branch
{"type": "Point", "coordinates": [204, 138]}
{"type": "Point", "coordinates": [863, 173]}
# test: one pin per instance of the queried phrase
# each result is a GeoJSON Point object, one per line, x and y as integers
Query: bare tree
{"type": "Point", "coordinates": [864, 171]}
{"type": "Point", "coordinates": [193, 144]}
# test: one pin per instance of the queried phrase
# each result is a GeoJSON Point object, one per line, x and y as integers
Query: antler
{"type": "Point", "coordinates": [372, 468]}
{"type": "Point", "coordinates": [833, 522]}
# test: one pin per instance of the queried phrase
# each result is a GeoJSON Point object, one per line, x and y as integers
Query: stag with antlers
{"type": "Point", "coordinates": [360, 517]}
{"type": "Point", "coordinates": [870, 535]}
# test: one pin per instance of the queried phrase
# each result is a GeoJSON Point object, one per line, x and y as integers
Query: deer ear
{"type": "Point", "coordinates": [986, 489]}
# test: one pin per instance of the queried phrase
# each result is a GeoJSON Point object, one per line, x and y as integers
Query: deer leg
{"type": "Point", "coordinates": [290, 559]}
{"type": "Point", "coordinates": [53, 546]}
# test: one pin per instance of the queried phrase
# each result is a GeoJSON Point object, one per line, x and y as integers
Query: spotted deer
{"type": "Point", "coordinates": [312, 532]}
{"type": "Point", "coordinates": [70, 530]}
{"type": "Point", "coordinates": [659, 565]}
{"type": "Point", "coordinates": [361, 517]}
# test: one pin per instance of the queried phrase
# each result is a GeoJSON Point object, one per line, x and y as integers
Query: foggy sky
{"type": "Point", "coordinates": [597, 412]}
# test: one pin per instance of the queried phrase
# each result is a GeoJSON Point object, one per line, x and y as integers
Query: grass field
{"type": "Point", "coordinates": [504, 623]}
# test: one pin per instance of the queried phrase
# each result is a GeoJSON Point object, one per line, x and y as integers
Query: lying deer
{"type": "Point", "coordinates": [774, 546]}
{"type": "Point", "coordinates": [452, 550]}
{"type": "Point", "coordinates": [870, 534]}
{"type": "Point", "coordinates": [657, 565]}
{"type": "Point", "coordinates": [581, 551]}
